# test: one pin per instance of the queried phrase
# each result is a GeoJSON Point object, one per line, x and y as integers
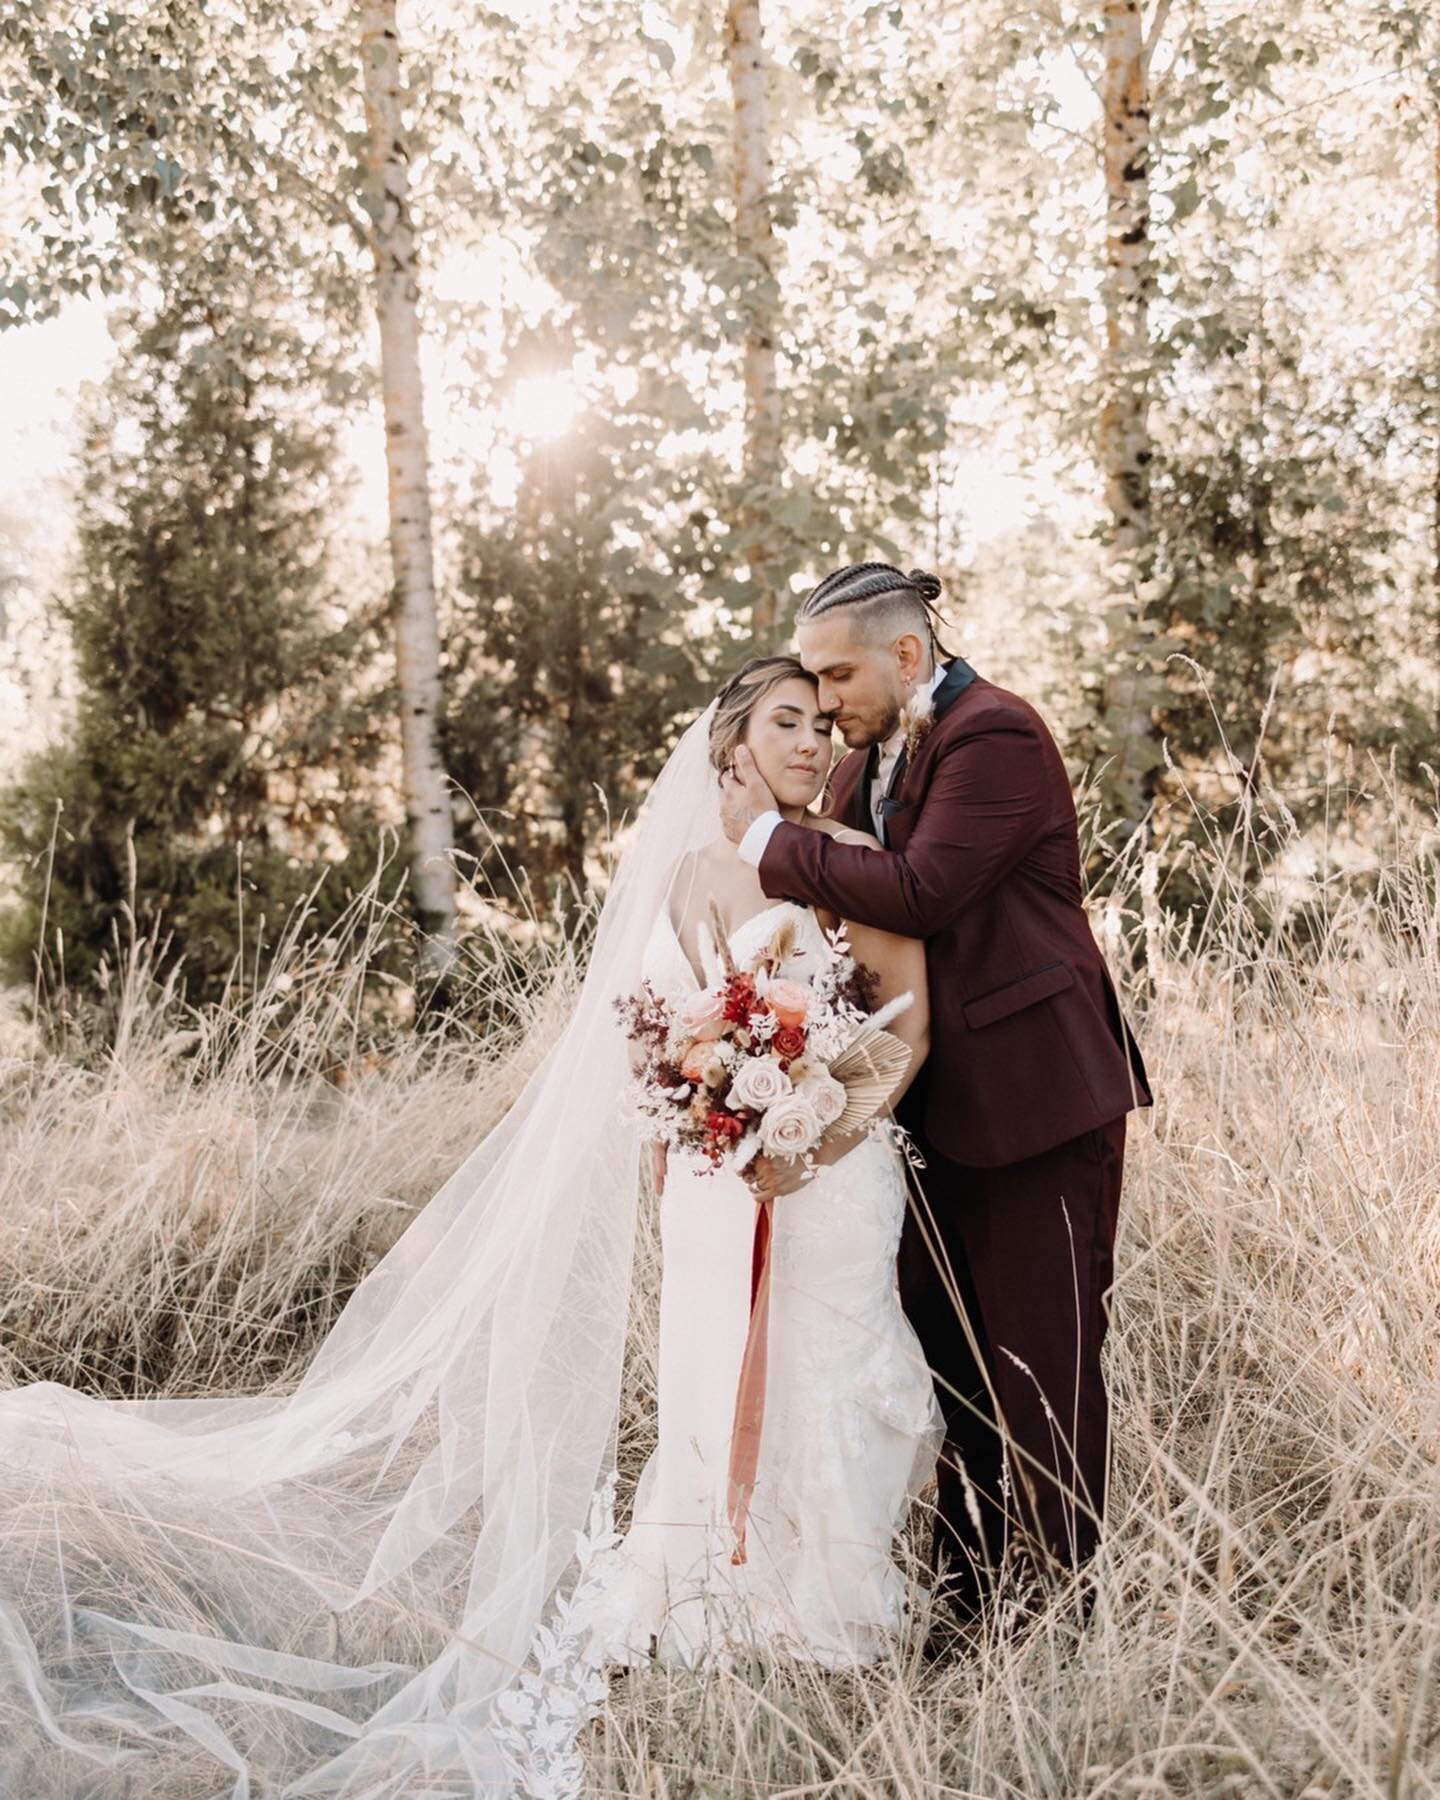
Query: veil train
{"type": "Point", "coordinates": [325, 1591]}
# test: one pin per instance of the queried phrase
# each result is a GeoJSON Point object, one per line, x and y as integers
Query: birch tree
{"type": "Point", "coordinates": [755, 240]}
{"type": "Point", "coordinates": [1435, 378]}
{"type": "Point", "coordinates": [1126, 452]}
{"type": "Point", "coordinates": [416, 632]}
{"type": "Point", "coordinates": [168, 116]}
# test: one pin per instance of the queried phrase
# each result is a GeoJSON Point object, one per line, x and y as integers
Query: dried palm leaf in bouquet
{"type": "Point", "coordinates": [868, 1068]}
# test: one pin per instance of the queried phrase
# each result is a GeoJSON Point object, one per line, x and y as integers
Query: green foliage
{"type": "Point", "coordinates": [1284, 588]}
{"type": "Point", "coordinates": [571, 662]}
{"type": "Point", "coordinates": [133, 125]}
{"type": "Point", "coordinates": [941, 243]}
{"type": "Point", "coordinates": [223, 719]}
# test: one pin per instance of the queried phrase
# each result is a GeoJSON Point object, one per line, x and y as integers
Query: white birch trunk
{"type": "Point", "coordinates": [755, 239]}
{"type": "Point", "coordinates": [1124, 435]}
{"type": "Point", "coordinates": [1435, 339]}
{"type": "Point", "coordinates": [407, 458]}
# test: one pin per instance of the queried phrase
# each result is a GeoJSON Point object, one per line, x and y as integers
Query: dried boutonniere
{"type": "Point", "coordinates": [917, 716]}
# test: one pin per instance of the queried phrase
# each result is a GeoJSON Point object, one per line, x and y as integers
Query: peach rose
{"type": "Point", "coordinates": [790, 1127]}
{"type": "Point", "coordinates": [703, 1015]}
{"type": "Point", "coordinates": [789, 1001]}
{"type": "Point", "coordinates": [701, 1064]}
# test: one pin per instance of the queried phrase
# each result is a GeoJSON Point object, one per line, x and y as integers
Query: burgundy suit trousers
{"type": "Point", "coordinates": [1035, 1290]}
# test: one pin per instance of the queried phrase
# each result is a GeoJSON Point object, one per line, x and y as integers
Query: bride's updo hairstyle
{"type": "Point", "coordinates": [739, 697]}
{"type": "Point", "coordinates": [881, 602]}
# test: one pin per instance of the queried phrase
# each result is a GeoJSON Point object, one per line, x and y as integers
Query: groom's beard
{"type": "Point", "coordinates": [860, 735]}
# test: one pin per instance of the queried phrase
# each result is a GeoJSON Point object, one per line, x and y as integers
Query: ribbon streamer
{"type": "Point", "coordinates": [750, 1389]}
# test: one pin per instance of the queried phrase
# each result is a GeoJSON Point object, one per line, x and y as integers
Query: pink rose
{"type": "Point", "coordinates": [703, 1015]}
{"type": "Point", "coordinates": [826, 1095]}
{"type": "Point", "coordinates": [789, 1001]}
{"type": "Point", "coordinates": [759, 1082]}
{"type": "Point", "coordinates": [790, 1127]}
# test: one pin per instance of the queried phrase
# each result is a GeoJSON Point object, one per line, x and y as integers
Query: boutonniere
{"type": "Point", "coordinates": [917, 716]}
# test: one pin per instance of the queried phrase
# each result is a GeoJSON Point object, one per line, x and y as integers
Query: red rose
{"type": "Point", "coordinates": [788, 1043]}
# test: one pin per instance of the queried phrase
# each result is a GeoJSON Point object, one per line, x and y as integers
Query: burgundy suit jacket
{"type": "Point", "coordinates": [1028, 1046]}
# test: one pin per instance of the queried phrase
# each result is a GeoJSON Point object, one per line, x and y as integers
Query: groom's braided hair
{"type": "Point", "coordinates": [887, 601]}
{"type": "Point", "coordinates": [739, 697]}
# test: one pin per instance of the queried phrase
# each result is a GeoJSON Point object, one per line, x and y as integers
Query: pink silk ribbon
{"type": "Point", "coordinates": [750, 1389]}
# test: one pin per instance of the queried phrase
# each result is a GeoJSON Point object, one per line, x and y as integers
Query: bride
{"type": "Point", "coordinates": [850, 1420]}
{"type": "Point", "coordinates": [341, 1589]}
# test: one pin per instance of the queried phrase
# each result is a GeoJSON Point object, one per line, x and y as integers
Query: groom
{"type": "Point", "coordinates": [1006, 1255]}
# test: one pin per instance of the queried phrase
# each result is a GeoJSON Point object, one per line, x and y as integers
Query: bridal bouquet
{"type": "Point", "coordinates": [758, 1062]}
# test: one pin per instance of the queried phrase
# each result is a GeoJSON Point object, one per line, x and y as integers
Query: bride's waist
{"type": "Point", "coordinates": [872, 1152]}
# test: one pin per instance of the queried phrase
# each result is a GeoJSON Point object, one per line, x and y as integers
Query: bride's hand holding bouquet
{"type": "Point", "coordinates": [760, 1073]}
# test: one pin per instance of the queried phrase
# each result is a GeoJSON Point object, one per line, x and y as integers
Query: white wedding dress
{"type": "Point", "coordinates": [851, 1424]}
{"type": "Point", "coordinates": [340, 1588]}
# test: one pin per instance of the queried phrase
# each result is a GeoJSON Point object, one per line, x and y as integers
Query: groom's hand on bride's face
{"type": "Point", "coordinates": [744, 795]}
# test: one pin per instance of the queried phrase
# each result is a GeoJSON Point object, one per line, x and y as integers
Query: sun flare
{"type": "Point", "coordinates": [542, 406]}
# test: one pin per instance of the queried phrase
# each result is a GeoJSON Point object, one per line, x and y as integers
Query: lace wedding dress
{"type": "Point", "coordinates": [851, 1432]}
{"type": "Point", "coordinates": [851, 1424]}
{"type": "Point", "coordinates": [361, 1586]}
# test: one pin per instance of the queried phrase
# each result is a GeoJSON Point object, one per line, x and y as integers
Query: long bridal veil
{"type": "Point", "coordinates": [323, 1592]}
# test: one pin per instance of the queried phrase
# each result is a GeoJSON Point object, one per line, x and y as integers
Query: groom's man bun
{"type": "Point", "coordinates": [881, 601]}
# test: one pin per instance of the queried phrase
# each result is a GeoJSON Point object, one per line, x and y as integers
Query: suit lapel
{"type": "Point", "coordinates": [900, 821]}
{"type": "Point", "coordinates": [897, 774]}
{"type": "Point", "coordinates": [957, 678]}
{"type": "Point", "coordinates": [848, 789]}
{"type": "Point", "coordinates": [860, 819]}
{"type": "Point", "coordinates": [890, 798]}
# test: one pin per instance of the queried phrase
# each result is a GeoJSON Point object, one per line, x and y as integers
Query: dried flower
{"type": "Point", "coordinates": [916, 717]}
{"type": "Point", "coordinates": [740, 999]}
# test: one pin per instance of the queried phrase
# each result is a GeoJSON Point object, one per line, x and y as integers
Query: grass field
{"type": "Point", "coordinates": [187, 1214]}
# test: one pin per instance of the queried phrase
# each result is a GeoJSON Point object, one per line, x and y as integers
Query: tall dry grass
{"type": "Point", "coordinates": [188, 1215]}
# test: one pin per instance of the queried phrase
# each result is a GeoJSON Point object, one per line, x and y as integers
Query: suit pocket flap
{"type": "Point", "coordinates": [1025, 990]}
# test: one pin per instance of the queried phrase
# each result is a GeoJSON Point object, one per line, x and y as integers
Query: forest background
{"type": "Point", "coordinates": [1123, 318]}
{"type": "Point", "coordinates": [409, 415]}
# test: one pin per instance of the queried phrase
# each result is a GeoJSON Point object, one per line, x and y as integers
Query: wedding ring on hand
{"type": "Point", "coordinates": [758, 1188]}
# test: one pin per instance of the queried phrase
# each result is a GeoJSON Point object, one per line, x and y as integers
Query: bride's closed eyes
{"type": "Point", "coordinates": [789, 718]}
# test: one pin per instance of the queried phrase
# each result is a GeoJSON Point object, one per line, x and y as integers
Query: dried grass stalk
{"type": "Point", "coordinates": [722, 942]}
